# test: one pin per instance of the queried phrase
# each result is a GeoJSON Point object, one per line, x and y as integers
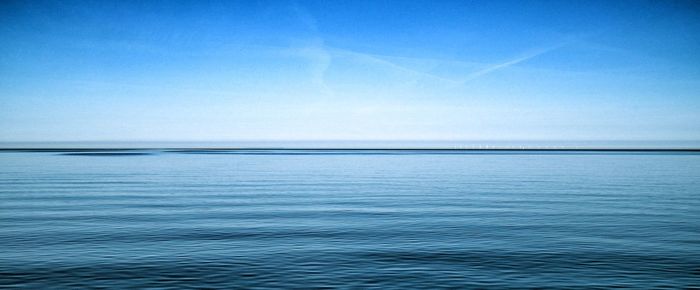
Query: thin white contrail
{"type": "Point", "coordinates": [384, 62]}
{"type": "Point", "coordinates": [527, 56]}
{"type": "Point", "coordinates": [487, 70]}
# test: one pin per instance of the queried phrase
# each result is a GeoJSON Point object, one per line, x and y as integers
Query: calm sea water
{"type": "Point", "coordinates": [349, 219]}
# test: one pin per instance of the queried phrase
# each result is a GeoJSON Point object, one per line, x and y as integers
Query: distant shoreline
{"type": "Point", "coordinates": [203, 149]}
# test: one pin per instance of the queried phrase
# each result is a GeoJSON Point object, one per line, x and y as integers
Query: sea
{"type": "Point", "coordinates": [348, 218]}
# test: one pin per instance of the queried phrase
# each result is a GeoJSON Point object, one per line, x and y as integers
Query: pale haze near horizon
{"type": "Point", "coordinates": [355, 70]}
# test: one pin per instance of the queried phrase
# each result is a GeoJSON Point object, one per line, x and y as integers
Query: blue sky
{"type": "Point", "coordinates": [350, 70]}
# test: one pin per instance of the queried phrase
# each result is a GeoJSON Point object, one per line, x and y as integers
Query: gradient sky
{"type": "Point", "coordinates": [384, 70]}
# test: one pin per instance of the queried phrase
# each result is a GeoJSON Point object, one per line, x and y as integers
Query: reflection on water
{"type": "Point", "coordinates": [339, 218]}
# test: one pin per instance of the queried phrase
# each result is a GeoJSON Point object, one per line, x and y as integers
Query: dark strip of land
{"type": "Point", "coordinates": [59, 150]}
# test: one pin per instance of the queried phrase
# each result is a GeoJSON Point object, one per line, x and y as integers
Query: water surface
{"type": "Point", "coordinates": [348, 219]}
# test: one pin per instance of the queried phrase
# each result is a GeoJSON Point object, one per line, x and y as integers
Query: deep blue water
{"type": "Point", "coordinates": [349, 219]}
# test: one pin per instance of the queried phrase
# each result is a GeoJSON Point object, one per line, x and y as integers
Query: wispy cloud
{"type": "Point", "coordinates": [314, 50]}
{"type": "Point", "coordinates": [308, 20]}
{"type": "Point", "coordinates": [320, 55]}
{"type": "Point", "coordinates": [320, 60]}
{"type": "Point", "coordinates": [378, 60]}
{"type": "Point", "coordinates": [522, 58]}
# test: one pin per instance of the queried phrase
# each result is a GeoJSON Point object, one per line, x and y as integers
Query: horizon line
{"type": "Point", "coordinates": [456, 149]}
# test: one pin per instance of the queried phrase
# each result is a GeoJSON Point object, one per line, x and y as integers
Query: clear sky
{"type": "Point", "coordinates": [354, 70]}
